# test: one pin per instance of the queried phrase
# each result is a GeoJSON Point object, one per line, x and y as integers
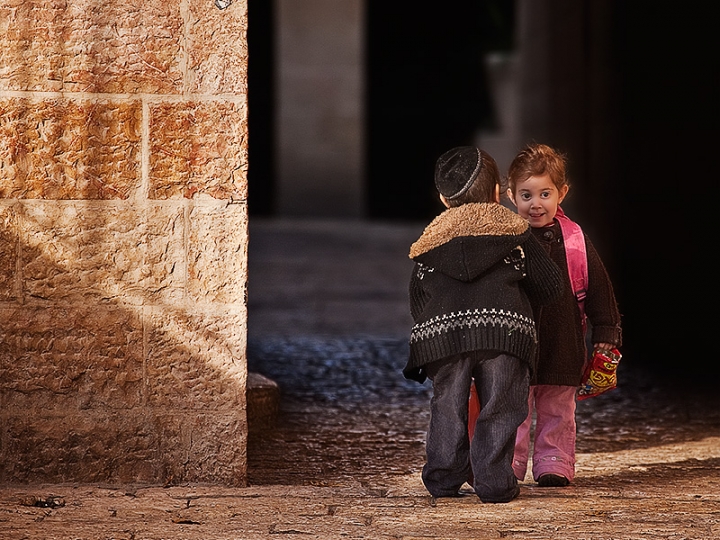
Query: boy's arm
{"type": "Point", "coordinates": [600, 303]}
{"type": "Point", "coordinates": [418, 296]}
{"type": "Point", "coordinates": [418, 299]}
{"type": "Point", "coordinates": [544, 281]}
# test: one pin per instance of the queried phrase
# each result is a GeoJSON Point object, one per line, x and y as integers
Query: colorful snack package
{"type": "Point", "coordinates": [600, 373]}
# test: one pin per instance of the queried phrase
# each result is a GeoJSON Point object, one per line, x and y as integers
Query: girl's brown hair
{"type": "Point", "coordinates": [537, 160]}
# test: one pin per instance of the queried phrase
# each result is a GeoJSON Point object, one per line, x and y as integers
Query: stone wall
{"type": "Point", "coordinates": [123, 241]}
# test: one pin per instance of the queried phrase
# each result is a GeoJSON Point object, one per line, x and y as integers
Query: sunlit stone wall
{"type": "Point", "coordinates": [123, 241]}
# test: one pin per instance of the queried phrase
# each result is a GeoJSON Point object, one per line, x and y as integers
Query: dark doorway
{"type": "Point", "coordinates": [426, 92]}
{"type": "Point", "coordinates": [669, 135]}
{"type": "Point", "coordinates": [261, 109]}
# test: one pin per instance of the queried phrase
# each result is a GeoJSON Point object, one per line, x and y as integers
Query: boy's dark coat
{"type": "Point", "coordinates": [479, 270]}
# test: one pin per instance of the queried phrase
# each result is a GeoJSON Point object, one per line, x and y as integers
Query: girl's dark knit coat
{"type": "Point", "coordinates": [561, 350]}
{"type": "Point", "coordinates": [478, 271]}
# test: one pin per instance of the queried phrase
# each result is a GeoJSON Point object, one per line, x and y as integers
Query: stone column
{"type": "Point", "coordinates": [320, 128]}
{"type": "Point", "coordinates": [123, 241]}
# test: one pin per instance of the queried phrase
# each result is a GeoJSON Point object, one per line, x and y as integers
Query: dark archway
{"type": "Point", "coordinates": [670, 125]}
{"type": "Point", "coordinates": [261, 108]}
{"type": "Point", "coordinates": [426, 92]}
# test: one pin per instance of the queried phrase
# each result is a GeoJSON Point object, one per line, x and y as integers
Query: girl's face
{"type": "Point", "coordinates": [537, 199]}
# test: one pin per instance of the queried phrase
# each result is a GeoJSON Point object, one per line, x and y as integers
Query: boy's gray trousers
{"type": "Point", "coordinates": [502, 383]}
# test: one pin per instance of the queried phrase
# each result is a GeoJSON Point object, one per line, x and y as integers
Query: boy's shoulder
{"type": "Point", "coordinates": [473, 219]}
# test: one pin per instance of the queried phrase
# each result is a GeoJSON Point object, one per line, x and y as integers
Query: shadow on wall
{"type": "Point", "coordinates": [108, 374]}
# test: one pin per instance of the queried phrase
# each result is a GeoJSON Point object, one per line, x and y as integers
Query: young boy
{"type": "Point", "coordinates": [478, 267]}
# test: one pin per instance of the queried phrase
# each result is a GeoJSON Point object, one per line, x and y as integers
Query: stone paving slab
{"type": "Point", "coordinates": [632, 508]}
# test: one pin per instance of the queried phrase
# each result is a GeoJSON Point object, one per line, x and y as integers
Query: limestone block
{"type": "Point", "coordinates": [75, 251]}
{"type": "Point", "coordinates": [103, 252]}
{"type": "Point", "coordinates": [8, 253]}
{"type": "Point", "coordinates": [217, 48]}
{"type": "Point", "coordinates": [164, 270]}
{"type": "Point", "coordinates": [217, 253]}
{"type": "Point", "coordinates": [61, 149]}
{"type": "Point", "coordinates": [54, 361]}
{"type": "Point", "coordinates": [196, 361]}
{"type": "Point", "coordinates": [198, 149]}
{"type": "Point", "coordinates": [205, 448]}
{"type": "Point", "coordinates": [132, 46]}
{"type": "Point", "coordinates": [112, 448]}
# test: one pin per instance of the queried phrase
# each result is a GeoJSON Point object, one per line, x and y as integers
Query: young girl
{"type": "Point", "coordinates": [537, 186]}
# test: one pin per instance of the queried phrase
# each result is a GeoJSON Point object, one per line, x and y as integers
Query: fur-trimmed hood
{"type": "Point", "coordinates": [464, 241]}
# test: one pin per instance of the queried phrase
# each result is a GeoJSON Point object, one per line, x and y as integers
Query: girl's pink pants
{"type": "Point", "coordinates": [554, 448]}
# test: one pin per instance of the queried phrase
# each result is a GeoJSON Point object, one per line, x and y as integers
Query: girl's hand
{"type": "Point", "coordinates": [608, 346]}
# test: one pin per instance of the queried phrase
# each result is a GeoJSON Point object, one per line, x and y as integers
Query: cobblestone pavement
{"type": "Point", "coordinates": [328, 324]}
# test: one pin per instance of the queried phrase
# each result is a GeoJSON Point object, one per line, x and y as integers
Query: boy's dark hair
{"type": "Point", "coordinates": [466, 174]}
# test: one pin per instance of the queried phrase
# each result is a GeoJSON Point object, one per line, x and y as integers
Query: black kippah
{"type": "Point", "coordinates": [456, 170]}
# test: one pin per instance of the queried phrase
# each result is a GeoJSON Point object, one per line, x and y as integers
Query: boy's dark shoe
{"type": "Point", "coordinates": [434, 498]}
{"type": "Point", "coordinates": [446, 494]}
{"type": "Point", "coordinates": [553, 480]}
{"type": "Point", "coordinates": [503, 499]}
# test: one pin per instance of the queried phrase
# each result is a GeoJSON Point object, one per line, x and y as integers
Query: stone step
{"type": "Point", "coordinates": [263, 402]}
